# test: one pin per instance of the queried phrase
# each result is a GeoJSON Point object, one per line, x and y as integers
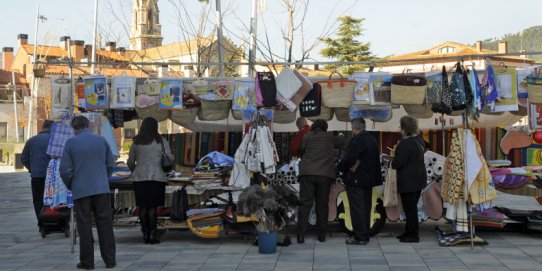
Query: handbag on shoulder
{"type": "Point", "coordinates": [167, 164]}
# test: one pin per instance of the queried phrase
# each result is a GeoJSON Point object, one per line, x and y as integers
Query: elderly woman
{"type": "Point", "coordinates": [145, 161]}
{"type": "Point", "coordinates": [411, 175]}
{"type": "Point", "coordinates": [317, 172]}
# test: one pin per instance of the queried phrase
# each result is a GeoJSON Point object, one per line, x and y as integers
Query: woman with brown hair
{"type": "Point", "coordinates": [411, 175]}
{"type": "Point", "coordinates": [145, 161]}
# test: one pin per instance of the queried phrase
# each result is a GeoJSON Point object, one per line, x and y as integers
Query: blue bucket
{"type": "Point", "coordinates": [267, 242]}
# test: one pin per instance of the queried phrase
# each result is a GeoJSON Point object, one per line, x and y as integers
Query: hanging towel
{"type": "Point", "coordinates": [55, 192]}
{"type": "Point", "coordinates": [455, 170]}
{"type": "Point", "coordinates": [107, 133]}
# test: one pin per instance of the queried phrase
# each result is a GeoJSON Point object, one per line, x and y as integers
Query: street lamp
{"type": "Point", "coordinates": [218, 34]}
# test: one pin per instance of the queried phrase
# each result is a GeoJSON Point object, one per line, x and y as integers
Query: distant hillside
{"type": "Point", "coordinates": [530, 42]}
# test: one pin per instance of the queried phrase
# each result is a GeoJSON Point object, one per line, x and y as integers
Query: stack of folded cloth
{"type": "Point", "coordinates": [205, 217]}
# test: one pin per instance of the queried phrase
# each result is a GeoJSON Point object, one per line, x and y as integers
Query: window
{"type": "Point", "coordinates": [446, 50]}
{"type": "Point", "coordinates": [3, 131]}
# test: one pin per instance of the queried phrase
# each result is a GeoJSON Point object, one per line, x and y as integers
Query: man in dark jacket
{"type": "Point", "coordinates": [85, 167]}
{"type": "Point", "coordinates": [36, 160]}
{"type": "Point", "coordinates": [361, 162]}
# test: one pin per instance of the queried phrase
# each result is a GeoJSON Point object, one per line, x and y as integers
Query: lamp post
{"type": "Point", "coordinates": [219, 35]}
{"type": "Point", "coordinates": [33, 91]}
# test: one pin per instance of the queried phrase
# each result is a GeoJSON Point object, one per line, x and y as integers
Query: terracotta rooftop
{"type": "Point", "coordinates": [56, 51]}
{"type": "Point", "coordinates": [5, 77]}
{"type": "Point", "coordinates": [425, 56]}
{"type": "Point", "coordinates": [84, 71]}
{"type": "Point", "coordinates": [53, 51]}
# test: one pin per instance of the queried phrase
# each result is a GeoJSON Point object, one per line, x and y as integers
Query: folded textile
{"type": "Point", "coordinates": [510, 181]}
{"type": "Point", "coordinates": [193, 212]}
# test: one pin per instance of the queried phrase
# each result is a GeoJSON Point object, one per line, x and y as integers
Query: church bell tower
{"type": "Point", "coordinates": [146, 29]}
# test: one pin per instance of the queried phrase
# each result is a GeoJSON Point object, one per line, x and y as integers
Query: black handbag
{"type": "Point", "coordinates": [268, 88]}
{"type": "Point", "coordinates": [179, 205]}
{"type": "Point", "coordinates": [167, 164]}
{"type": "Point", "coordinates": [459, 89]}
{"type": "Point", "coordinates": [312, 104]}
{"type": "Point", "coordinates": [439, 95]}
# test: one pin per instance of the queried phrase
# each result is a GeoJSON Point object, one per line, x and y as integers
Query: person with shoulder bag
{"type": "Point", "coordinates": [149, 154]}
{"type": "Point", "coordinates": [361, 163]}
{"type": "Point", "coordinates": [409, 162]}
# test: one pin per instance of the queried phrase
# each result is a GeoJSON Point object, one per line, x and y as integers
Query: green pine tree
{"type": "Point", "coordinates": [346, 47]}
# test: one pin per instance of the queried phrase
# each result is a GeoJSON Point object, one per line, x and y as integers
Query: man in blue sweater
{"type": "Point", "coordinates": [85, 167]}
{"type": "Point", "coordinates": [36, 160]}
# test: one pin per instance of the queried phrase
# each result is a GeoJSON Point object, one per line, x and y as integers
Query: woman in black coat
{"type": "Point", "coordinates": [411, 175]}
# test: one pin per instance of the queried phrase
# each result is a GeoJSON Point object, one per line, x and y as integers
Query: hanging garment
{"type": "Point", "coordinates": [455, 170]}
{"type": "Point", "coordinates": [490, 94]}
{"type": "Point", "coordinates": [116, 117]}
{"type": "Point", "coordinates": [482, 190]}
{"type": "Point", "coordinates": [438, 94]}
{"type": "Point", "coordinates": [107, 133]}
{"type": "Point", "coordinates": [55, 192]}
{"type": "Point", "coordinates": [60, 133]}
{"type": "Point", "coordinates": [476, 103]}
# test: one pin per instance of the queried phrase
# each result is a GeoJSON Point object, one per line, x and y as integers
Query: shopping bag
{"type": "Point", "coordinates": [337, 93]}
{"type": "Point", "coordinates": [179, 205]}
{"type": "Point", "coordinates": [459, 89]}
{"type": "Point", "coordinates": [408, 89]}
{"type": "Point", "coordinates": [122, 92]}
{"type": "Point", "coordinates": [151, 87]}
{"type": "Point", "coordinates": [243, 94]}
{"type": "Point", "coordinates": [287, 83]}
{"type": "Point", "coordinates": [390, 189]}
{"type": "Point", "coordinates": [438, 94]}
{"type": "Point", "coordinates": [223, 89]}
{"type": "Point", "coordinates": [312, 104]}
{"type": "Point", "coordinates": [266, 89]}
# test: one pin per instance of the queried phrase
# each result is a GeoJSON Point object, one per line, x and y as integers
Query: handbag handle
{"type": "Point", "coordinates": [330, 84]}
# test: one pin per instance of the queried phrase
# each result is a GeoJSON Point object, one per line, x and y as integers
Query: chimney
{"type": "Point", "coordinates": [503, 47]}
{"type": "Point", "coordinates": [64, 42]}
{"type": "Point", "coordinates": [78, 50]}
{"type": "Point", "coordinates": [88, 50]}
{"type": "Point", "coordinates": [162, 70]}
{"type": "Point", "coordinates": [110, 46]}
{"type": "Point", "coordinates": [7, 57]}
{"type": "Point", "coordinates": [23, 39]}
{"type": "Point", "coordinates": [479, 46]}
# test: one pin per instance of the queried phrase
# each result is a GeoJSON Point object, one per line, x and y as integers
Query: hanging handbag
{"type": "Point", "coordinates": [288, 84]}
{"type": "Point", "coordinates": [223, 89]}
{"type": "Point", "coordinates": [151, 87]}
{"type": "Point", "coordinates": [326, 114]}
{"type": "Point", "coordinates": [266, 89]}
{"type": "Point", "coordinates": [458, 89]}
{"type": "Point", "coordinates": [200, 87]}
{"type": "Point", "coordinates": [281, 114]}
{"type": "Point", "coordinates": [438, 93]}
{"type": "Point", "coordinates": [408, 89]}
{"type": "Point", "coordinates": [337, 93]}
{"type": "Point", "coordinates": [166, 162]}
{"type": "Point", "coordinates": [214, 110]}
{"type": "Point", "coordinates": [312, 104]}
{"type": "Point", "coordinates": [179, 205]}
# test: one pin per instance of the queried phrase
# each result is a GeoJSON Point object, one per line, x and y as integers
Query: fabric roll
{"type": "Point", "coordinates": [438, 168]}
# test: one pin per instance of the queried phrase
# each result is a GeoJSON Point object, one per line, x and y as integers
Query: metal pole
{"type": "Point", "coordinates": [253, 35]}
{"type": "Point", "coordinates": [93, 66]}
{"type": "Point", "coordinates": [219, 37]}
{"type": "Point", "coordinates": [15, 105]}
{"type": "Point", "coordinates": [33, 89]}
{"type": "Point", "coordinates": [70, 65]}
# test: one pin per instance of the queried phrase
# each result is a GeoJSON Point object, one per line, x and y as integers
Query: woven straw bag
{"type": "Point", "coordinates": [534, 89]}
{"type": "Point", "coordinates": [418, 111]}
{"type": "Point", "coordinates": [342, 114]}
{"type": "Point", "coordinates": [153, 111]}
{"type": "Point", "coordinates": [282, 115]}
{"type": "Point", "coordinates": [200, 87]}
{"type": "Point", "coordinates": [326, 114]}
{"type": "Point", "coordinates": [337, 93]}
{"type": "Point", "coordinates": [214, 110]}
{"type": "Point", "coordinates": [237, 114]}
{"type": "Point", "coordinates": [522, 111]}
{"type": "Point", "coordinates": [408, 89]}
{"type": "Point", "coordinates": [186, 115]}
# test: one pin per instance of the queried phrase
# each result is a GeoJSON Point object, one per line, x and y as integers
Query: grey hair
{"type": "Point", "coordinates": [359, 124]}
{"type": "Point", "coordinates": [409, 125]}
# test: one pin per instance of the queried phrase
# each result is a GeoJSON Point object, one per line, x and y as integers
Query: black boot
{"type": "Point", "coordinates": [153, 225]}
{"type": "Point", "coordinates": [144, 220]}
{"type": "Point", "coordinates": [321, 236]}
{"type": "Point", "coordinates": [300, 238]}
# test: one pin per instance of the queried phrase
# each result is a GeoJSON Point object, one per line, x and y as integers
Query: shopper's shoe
{"type": "Point", "coordinates": [110, 265]}
{"type": "Point", "coordinates": [321, 237]}
{"type": "Point", "coordinates": [300, 238]}
{"type": "Point", "coordinates": [86, 267]}
{"type": "Point", "coordinates": [154, 238]}
{"type": "Point", "coordinates": [410, 239]}
{"type": "Point", "coordinates": [146, 236]}
{"type": "Point", "coordinates": [354, 241]}
{"type": "Point", "coordinates": [401, 236]}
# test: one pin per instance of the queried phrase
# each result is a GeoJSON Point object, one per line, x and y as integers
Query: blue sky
{"type": "Point", "coordinates": [392, 26]}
